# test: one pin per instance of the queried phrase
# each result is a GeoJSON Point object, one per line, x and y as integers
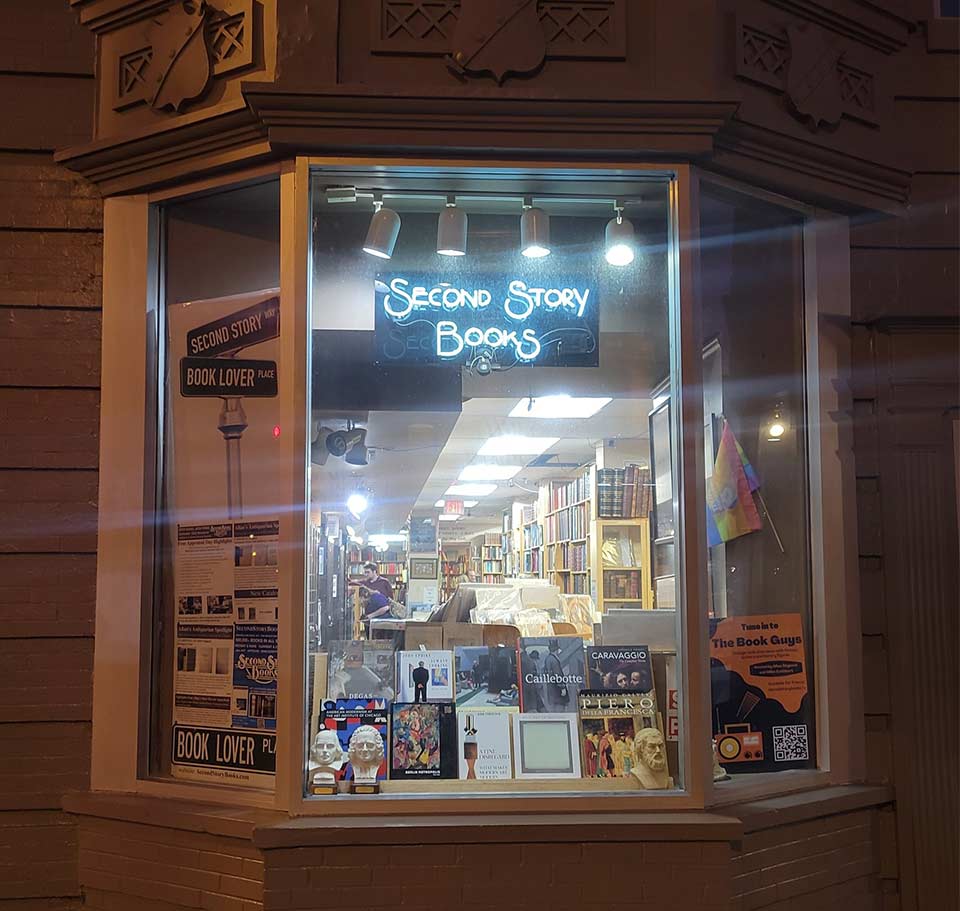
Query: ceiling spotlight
{"type": "Point", "coordinates": [534, 231]}
{"type": "Point", "coordinates": [383, 232]}
{"type": "Point", "coordinates": [358, 504]}
{"type": "Point", "coordinates": [777, 426]}
{"type": "Point", "coordinates": [452, 230]}
{"type": "Point", "coordinates": [621, 244]}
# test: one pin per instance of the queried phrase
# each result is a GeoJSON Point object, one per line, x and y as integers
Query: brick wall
{"type": "Point", "coordinates": [153, 868]}
{"type": "Point", "coordinates": [564, 876]}
{"type": "Point", "coordinates": [49, 377]}
{"type": "Point", "coordinates": [818, 864]}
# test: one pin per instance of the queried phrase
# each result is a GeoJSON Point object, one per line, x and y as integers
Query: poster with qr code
{"type": "Point", "coordinates": [763, 713]}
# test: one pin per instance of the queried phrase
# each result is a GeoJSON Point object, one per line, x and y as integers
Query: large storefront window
{"type": "Point", "coordinates": [500, 504]}
{"type": "Point", "coordinates": [482, 612]}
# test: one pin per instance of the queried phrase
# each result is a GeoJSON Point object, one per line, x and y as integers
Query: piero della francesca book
{"type": "Point", "coordinates": [609, 724]}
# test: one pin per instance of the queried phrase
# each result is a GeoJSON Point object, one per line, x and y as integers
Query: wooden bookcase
{"type": "Point", "coordinates": [486, 554]}
{"type": "Point", "coordinates": [622, 567]}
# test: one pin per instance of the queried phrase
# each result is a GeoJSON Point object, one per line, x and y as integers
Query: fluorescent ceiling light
{"type": "Point", "coordinates": [471, 490]}
{"type": "Point", "coordinates": [489, 472]}
{"type": "Point", "coordinates": [515, 444]}
{"type": "Point", "coordinates": [559, 406]}
{"type": "Point", "coordinates": [386, 539]}
{"type": "Point", "coordinates": [467, 504]}
{"type": "Point", "coordinates": [449, 518]}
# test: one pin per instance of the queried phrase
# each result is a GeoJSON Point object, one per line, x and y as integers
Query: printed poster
{"type": "Point", "coordinates": [223, 462]}
{"type": "Point", "coordinates": [763, 714]}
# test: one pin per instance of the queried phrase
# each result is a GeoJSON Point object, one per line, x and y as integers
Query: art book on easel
{"type": "Point", "coordinates": [346, 715]}
{"type": "Point", "coordinates": [550, 673]}
{"type": "Point", "coordinates": [423, 740]}
{"type": "Point", "coordinates": [361, 668]}
{"type": "Point", "coordinates": [609, 722]}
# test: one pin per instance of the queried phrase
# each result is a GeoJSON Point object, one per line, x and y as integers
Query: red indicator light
{"type": "Point", "coordinates": [276, 432]}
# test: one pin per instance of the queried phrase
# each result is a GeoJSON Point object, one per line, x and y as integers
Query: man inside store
{"type": "Point", "coordinates": [375, 582]}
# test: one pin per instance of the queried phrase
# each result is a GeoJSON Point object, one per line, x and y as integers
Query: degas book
{"type": "Point", "coordinates": [223, 749]}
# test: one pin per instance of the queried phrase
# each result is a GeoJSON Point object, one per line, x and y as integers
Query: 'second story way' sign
{"type": "Point", "coordinates": [511, 320]}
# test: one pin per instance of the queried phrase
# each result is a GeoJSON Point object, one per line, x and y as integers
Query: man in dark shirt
{"type": "Point", "coordinates": [421, 676]}
{"type": "Point", "coordinates": [373, 580]}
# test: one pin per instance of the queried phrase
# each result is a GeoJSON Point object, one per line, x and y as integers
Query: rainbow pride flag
{"type": "Point", "coordinates": [731, 511]}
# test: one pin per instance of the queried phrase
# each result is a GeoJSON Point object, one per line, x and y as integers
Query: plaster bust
{"type": "Point", "coordinates": [365, 753]}
{"type": "Point", "coordinates": [651, 767]}
{"type": "Point", "coordinates": [327, 756]}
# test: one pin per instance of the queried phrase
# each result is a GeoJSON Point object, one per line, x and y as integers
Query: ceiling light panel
{"type": "Point", "coordinates": [554, 407]}
{"type": "Point", "coordinates": [515, 444]}
{"type": "Point", "coordinates": [471, 490]}
{"type": "Point", "coordinates": [489, 472]}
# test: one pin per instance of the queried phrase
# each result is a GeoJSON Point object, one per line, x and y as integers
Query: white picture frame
{"type": "Point", "coordinates": [550, 736]}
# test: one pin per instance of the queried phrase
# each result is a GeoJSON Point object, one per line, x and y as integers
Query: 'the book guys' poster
{"type": "Point", "coordinates": [222, 486]}
{"type": "Point", "coordinates": [763, 713]}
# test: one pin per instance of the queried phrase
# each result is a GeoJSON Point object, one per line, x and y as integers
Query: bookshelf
{"type": "Point", "coordinates": [568, 513]}
{"type": "Point", "coordinates": [622, 561]}
{"type": "Point", "coordinates": [391, 564]}
{"type": "Point", "coordinates": [454, 564]}
{"type": "Point", "coordinates": [486, 554]}
{"type": "Point", "coordinates": [531, 549]}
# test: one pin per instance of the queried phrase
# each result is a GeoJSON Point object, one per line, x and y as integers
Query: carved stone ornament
{"type": "Point", "coordinates": [823, 80]}
{"type": "Point", "coordinates": [813, 84]}
{"type": "Point", "coordinates": [497, 37]}
{"type": "Point", "coordinates": [174, 59]}
{"type": "Point", "coordinates": [182, 61]}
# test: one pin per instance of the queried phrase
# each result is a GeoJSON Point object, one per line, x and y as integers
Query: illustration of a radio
{"type": "Point", "coordinates": [738, 743]}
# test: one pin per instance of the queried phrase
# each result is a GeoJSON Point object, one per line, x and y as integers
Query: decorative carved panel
{"type": "Point", "coordinates": [819, 74]}
{"type": "Point", "coordinates": [228, 38]}
{"type": "Point", "coordinates": [575, 29]}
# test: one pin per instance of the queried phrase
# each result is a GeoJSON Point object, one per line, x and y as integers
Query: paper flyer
{"type": "Point", "coordinates": [763, 717]}
{"type": "Point", "coordinates": [221, 461]}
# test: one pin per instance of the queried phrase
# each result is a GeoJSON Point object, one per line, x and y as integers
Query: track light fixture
{"type": "Point", "coordinates": [534, 231]}
{"type": "Point", "coordinates": [452, 230]}
{"type": "Point", "coordinates": [383, 232]}
{"type": "Point", "coordinates": [620, 240]}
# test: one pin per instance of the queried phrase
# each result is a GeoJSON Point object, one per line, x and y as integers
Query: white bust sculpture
{"type": "Point", "coordinates": [328, 757]}
{"type": "Point", "coordinates": [366, 753]}
{"type": "Point", "coordinates": [651, 767]}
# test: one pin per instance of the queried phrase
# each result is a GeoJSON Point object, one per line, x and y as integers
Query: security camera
{"type": "Point", "coordinates": [340, 442]}
{"type": "Point", "coordinates": [318, 446]}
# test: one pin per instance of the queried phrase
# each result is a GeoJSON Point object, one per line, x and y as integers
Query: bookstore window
{"type": "Point", "coordinates": [216, 605]}
{"type": "Point", "coordinates": [756, 460]}
{"type": "Point", "coordinates": [484, 610]}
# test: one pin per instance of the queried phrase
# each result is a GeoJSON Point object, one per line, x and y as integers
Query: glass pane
{"type": "Point", "coordinates": [217, 604]}
{"type": "Point", "coordinates": [755, 442]}
{"type": "Point", "coordinates": [481, 591]}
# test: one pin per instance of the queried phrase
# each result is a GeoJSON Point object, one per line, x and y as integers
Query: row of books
{"type": "Point", "coordinates": [385, 569]}
{"type": "Point", "coordinates": [621, 584]}
{"type": "Point", "coordinates": [456, 567]}
{"type": "Point", "coordinates": [573, 584]}
{"type": "Point", "coordinates": [624, 492]}
{"type": "Point", "coordinates": [449, 714]}
{"type": "Point", "coordinates": [492, 566]}
{"type": "Point", "coordinates": [532, 562]}
{"type": "Point", "coordinates": [532, 536]}
{"type": "Point", "coordinates": [570, 556]}
{"type": "Point", "coordinates": [569, 523]}
{"type": "Point", "coordinates": [566, 493]}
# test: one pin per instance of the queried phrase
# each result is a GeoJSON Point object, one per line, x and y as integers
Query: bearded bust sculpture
{"type": "Point", "coordinates": [327, 756]}
{"type": "Point", "coordinates": [365, 753]}
{"type": "Point", "coordinates": [651, 767]}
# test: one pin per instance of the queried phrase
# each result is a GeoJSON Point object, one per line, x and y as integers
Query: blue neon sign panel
{"type": "Point", "coordinates": [512, 320]}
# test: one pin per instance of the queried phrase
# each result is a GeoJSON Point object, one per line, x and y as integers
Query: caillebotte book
{"type": "Point", "coordinates": [551, 671]}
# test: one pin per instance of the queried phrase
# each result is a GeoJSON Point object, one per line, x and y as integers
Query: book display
{"type": "Point", "coordinates": [423, 741]}
{"type": "Point", "coordinates": [567, 526]}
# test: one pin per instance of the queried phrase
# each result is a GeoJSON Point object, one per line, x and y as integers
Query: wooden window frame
{"type": "Point", "coordinates": [131, 355]}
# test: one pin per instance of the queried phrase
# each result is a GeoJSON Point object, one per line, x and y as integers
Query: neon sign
{"type": "Point", "coordinates": [511, 321]}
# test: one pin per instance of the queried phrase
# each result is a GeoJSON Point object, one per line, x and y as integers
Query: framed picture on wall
{"type": "Point", "coordinates": [423, 568]}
